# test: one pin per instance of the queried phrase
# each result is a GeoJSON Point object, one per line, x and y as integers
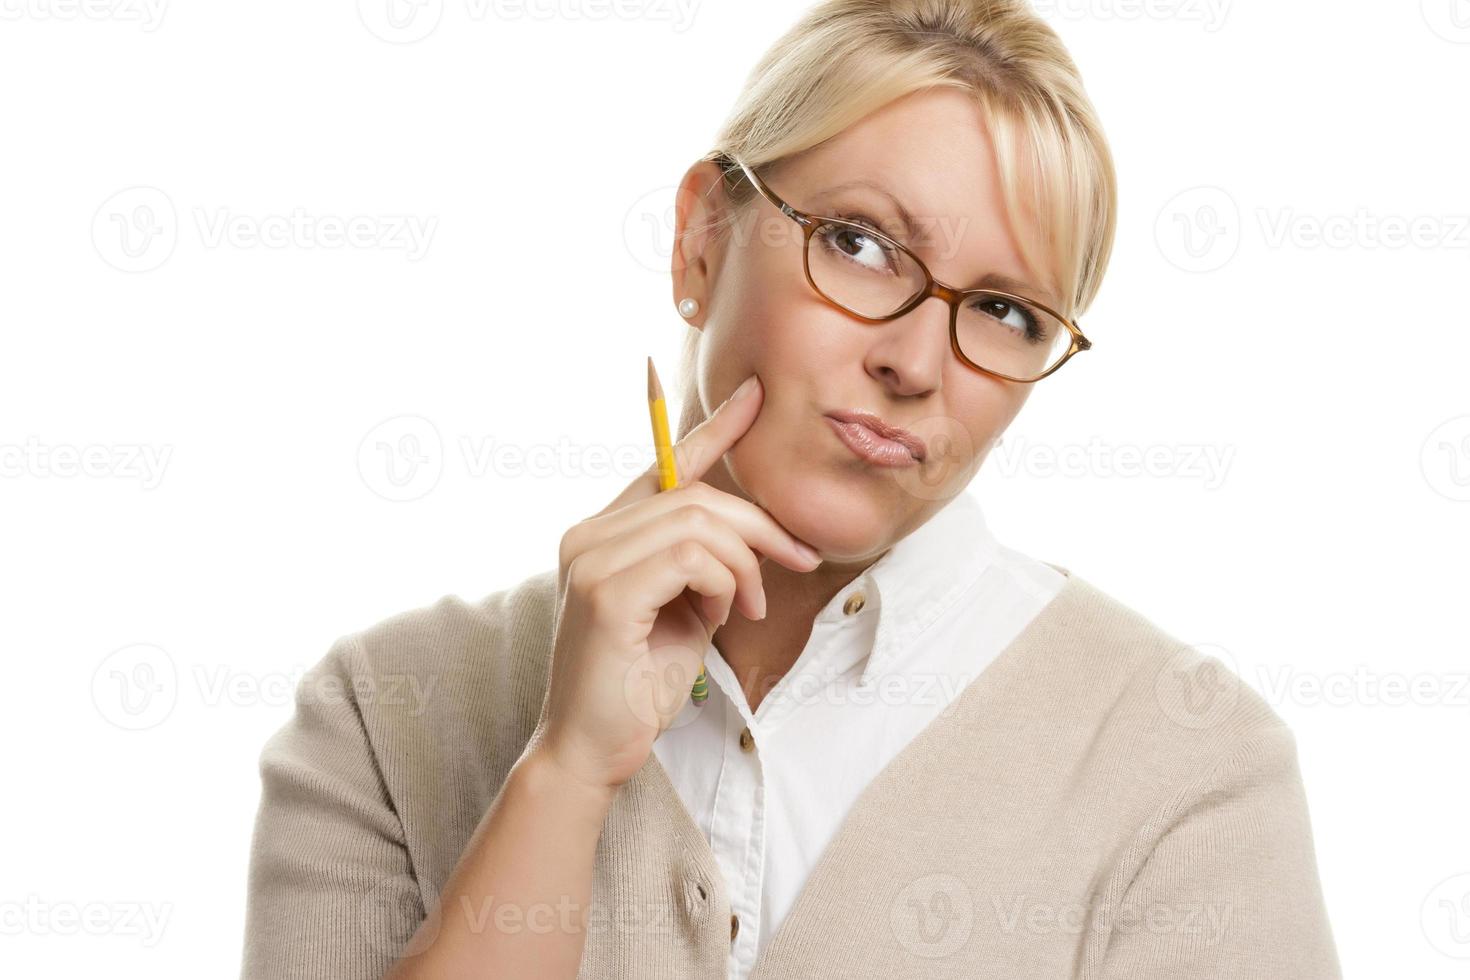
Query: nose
{"type": "Point", "coordinates": [907, 355]}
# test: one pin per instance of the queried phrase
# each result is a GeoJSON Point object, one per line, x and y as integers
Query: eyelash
{"type": "Point", "coordinates": [857, 217]}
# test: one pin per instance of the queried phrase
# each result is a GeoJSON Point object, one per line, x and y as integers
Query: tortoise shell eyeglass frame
{"type": "Point", "coordinates": [932, 287]}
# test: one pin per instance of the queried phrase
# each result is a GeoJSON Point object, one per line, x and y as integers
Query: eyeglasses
{"type": "Point", "coordinates": [874, 278]}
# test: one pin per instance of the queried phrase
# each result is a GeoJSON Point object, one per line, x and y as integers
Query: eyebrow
{"type": "Point", "coordinates": [991, 280]}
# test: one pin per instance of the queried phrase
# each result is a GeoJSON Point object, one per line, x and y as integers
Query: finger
{"type": "Point", "coordinates": [754, 524]}
{"type": "Point", "coordinates": [711, 439]}
{"type": "Point", "coordinates": [643, 588]}
{"type": "Point", "coordinates": [705, 443]}
{"type": "Point", "coordinates": [687, 522]}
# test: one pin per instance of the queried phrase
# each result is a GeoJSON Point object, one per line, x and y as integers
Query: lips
{"type": "Point", "coordinates": [882, 430]}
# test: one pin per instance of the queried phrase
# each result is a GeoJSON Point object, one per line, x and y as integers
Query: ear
{"type": "Point", "coordinates": [699, 204]}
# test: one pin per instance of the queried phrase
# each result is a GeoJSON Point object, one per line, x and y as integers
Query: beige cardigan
{"type": "Point", "coordinates": [1099, 802]}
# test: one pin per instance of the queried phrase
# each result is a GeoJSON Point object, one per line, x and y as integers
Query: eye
{"type": "Point", "coordinates": [1013, 315]}
{"type": "Point", "coordinates": [867, 252]}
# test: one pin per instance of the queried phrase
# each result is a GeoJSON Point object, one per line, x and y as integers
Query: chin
{"type": "Point", "coordinates": [845, 521]}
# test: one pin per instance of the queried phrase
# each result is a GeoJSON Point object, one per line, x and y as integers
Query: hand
{"type": "Point", "coordinates": [642, 586]}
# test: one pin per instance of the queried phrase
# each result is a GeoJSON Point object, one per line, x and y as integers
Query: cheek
{"type": "Point", "coordinates": [961, 434]}
{"type": "Point", "coordinates": [990, 411]}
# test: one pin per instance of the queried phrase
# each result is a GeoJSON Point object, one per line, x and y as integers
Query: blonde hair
{"type": "Point", "coordinates": [845, 59]}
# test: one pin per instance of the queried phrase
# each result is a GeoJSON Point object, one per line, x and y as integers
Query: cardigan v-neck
{"type": "Point", "coordinates": [1079, 812]}
{"type": "Point", "coordinates": [885, 656]}
{"type": "Point", "coordinates": [878, 794]}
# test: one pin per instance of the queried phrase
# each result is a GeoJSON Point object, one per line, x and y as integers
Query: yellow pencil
{"type": "Point", "coordinates": [668, 479]}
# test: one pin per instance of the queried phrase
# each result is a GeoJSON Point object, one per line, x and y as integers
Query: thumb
{"type": "Point", "coordinates": [712, 438]}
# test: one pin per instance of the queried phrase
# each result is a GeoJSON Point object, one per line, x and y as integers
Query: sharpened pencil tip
{"type": "Point", "coordinates": [655, 390]}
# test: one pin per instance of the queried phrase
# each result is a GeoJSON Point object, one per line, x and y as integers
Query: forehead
{"type": "Point", "coordinates": [930, 150]}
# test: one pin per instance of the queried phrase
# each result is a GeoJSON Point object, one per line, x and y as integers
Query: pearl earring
{"type": "Point", "coordinates": [688, 307]}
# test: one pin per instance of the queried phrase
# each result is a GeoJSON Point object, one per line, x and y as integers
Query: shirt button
{"type": "Point", "coordinates": [747, 741]}
{"type": "Point", "coordinates": [854, 603]}
{"type": "Point", "coordinates": [734, 926]}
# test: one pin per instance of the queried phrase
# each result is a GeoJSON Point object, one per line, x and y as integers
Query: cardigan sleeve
{"type": "Point", "coordinates": [1230, 887]}
{"type": "Point", "coordinates": [331, 885]}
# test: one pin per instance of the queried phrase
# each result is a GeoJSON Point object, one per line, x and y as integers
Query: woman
{"type": "Point", "coordinates": [924, 754]}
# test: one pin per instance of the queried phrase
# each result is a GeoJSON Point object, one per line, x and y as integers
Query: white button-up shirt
{"type": "Point", "coordinates": [885, 657]}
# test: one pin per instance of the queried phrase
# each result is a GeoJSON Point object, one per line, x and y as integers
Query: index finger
{"type": "Point", "coordinates": [705, 443]}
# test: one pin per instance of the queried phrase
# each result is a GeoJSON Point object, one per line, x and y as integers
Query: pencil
{"type": "Point", "coordinates": [668, 479]}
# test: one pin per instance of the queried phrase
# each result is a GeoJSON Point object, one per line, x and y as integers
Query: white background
{"type": "Point", "coordinates": [1294, 368]}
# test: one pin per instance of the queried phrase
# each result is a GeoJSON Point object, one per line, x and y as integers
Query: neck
{"type": "Point", "coordinates": [761, 652]}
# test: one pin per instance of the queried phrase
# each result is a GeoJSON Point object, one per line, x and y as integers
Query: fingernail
{"type": "Point", "coordinates": [810, 554]}
{"type": "Point", "coordinates": [761, 606]}
{"type": "Point", "coordinates": [746, 387]}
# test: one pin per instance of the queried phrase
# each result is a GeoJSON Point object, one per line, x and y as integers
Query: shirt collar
{"type": "Point", "coordinates": [916, 580]}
